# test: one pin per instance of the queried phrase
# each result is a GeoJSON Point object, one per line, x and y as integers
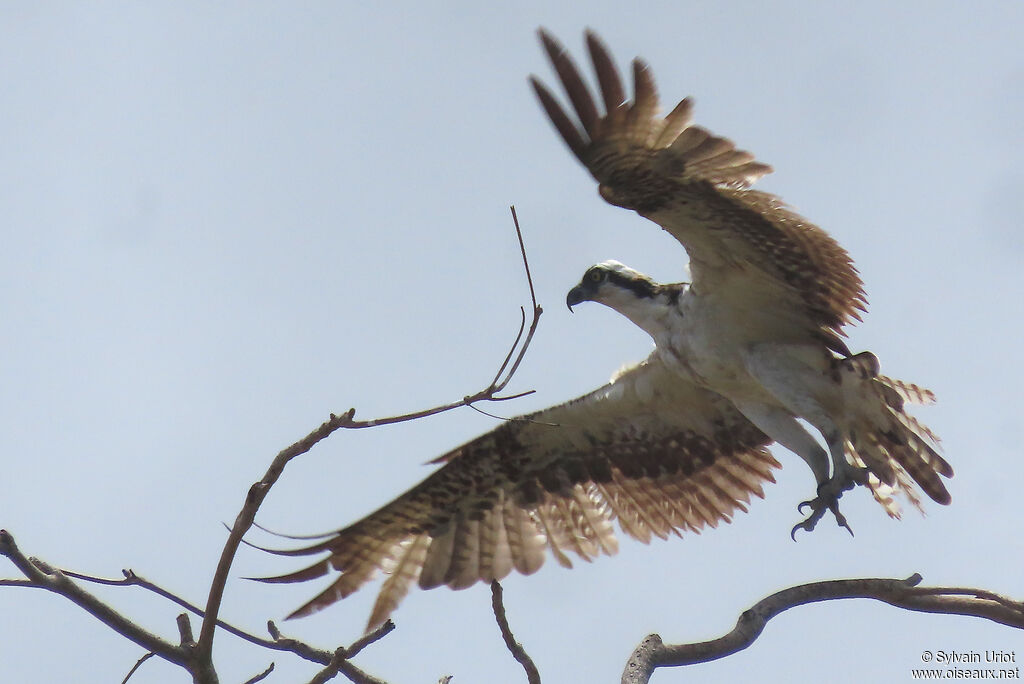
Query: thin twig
{"type": "Point", "coordinates": [261, 676]}
{"type": "Point", "coordinates": [138, 663]}
{"type": "Point", "coordinates": [537, 311]}
{"type": "Point", "coordinates": [42, 576]}
{"type": "Point", "coordinates": [133, 579]}
{"type": "Point", "coordinates": [258, 491]}
{"type": "Point", "coordinates": [371, 638]}
{"type": "Point", "coordinates": [526, 262]}
{"type": "Point", "coordinates": [339, 664]}
{"type": "Point", "coordinates": [53, 580]}
{"type": "Point", "coordinates": [197, 658]}
{"type": "Point", "coordinates": [510, 397]}
{"type": "Point", "coordinates": [514, 647]}
{"type": "Point", "coordinates": [652, 653]}
{"type": "Point", "coordinates": [277, 642]}
{"type": "Point", "coordinates": [8, 582]}
{"type": "Point", "coordinates": [512, 349]}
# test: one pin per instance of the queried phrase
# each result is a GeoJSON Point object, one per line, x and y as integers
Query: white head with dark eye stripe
{"type": "Point", "coordinates": [629, 292]}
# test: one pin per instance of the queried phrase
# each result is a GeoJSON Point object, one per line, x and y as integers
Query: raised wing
{"type": "Point", "coordinates": [695, 185]}
{"type": "Point", "coordinates": [654, 452]}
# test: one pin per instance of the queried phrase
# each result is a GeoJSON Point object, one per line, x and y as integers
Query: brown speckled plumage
{"type": "Point", "coordinates": [696, 186]}
{"type": "Point", "coordinates": [659, 455]}
{"type": "Point", "coordinates": [652, 449]}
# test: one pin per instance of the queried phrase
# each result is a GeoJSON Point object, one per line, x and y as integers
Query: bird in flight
{"type": "Point", "coordinates": [743, 352]}
{"type": "Point", "coordinates": [761, 323]}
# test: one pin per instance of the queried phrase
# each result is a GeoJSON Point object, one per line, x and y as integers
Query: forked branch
{"type": "Point", "coordinates": [197, 656]}
{"type": "Point", "coordinates": [258, 491]}
{"type": "Point", "coordinates": [41, 575]}
{"type": "Point", "coordinates": [652, 653]}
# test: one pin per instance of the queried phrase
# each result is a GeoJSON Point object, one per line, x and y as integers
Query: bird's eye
{"type": "Point", "coordinates": [596, 276]}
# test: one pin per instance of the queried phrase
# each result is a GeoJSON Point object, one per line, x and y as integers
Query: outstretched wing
{"type": "Point", "coordinates": [742, 243]}
{"type": "Point", "coordinates": [656, 453]}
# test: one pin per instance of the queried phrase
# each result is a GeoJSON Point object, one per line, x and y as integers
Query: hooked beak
{"type": "Point", "coordinates": [576, 295]}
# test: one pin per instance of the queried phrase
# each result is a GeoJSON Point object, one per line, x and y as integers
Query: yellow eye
{"type": "Point", "coordinates": [596, 276]}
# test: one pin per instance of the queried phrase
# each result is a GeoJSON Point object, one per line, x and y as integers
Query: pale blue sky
{"type": "Point", "coordinates": [221, 223]}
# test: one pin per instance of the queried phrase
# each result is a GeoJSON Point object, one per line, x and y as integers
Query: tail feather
{"type": "Point", "coordinates": [908, 390]}
{"type": "Point", "coordinates": [898, 450]}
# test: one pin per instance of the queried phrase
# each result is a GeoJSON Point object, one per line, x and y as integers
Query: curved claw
{"type": "Point", "coordinates": [808, 525]}
{"type": "Point", "coordinates": [842, 523]}
{"type": "Point", "coordinates": [825, 501]}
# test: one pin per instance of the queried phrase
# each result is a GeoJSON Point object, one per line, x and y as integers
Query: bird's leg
{"type": "Point", "coordinates": [845, 477]}
{"type": "Point", "coordinates": [829, 493]}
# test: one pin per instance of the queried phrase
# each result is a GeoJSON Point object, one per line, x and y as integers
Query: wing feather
{"type": "Point", "coordinates": [464, 570]}
{"type": "Point", "coordinates": [625, 512]}
{"type": "Point", "coordinates": [655, 452]}
{"type": "Point", "coordinates": [436, 563]}
{"type": "Point", "coordinates": [495, 548]}
{"type": "Point", "coordinates": [578, 93]}
{"type": "Point", "coordinates": [525, 541]}
{"type": "Point", "coordinates": [612, 91]}
{"type": "Point", "coordinates": [640, 122]}
{"type": "Point", "coordinates": [696, 186]}
{"type": "Point", "coordinates": [555, 535]}
{"type": "Point", "coordinates": [631, 493]}
{"type": "Point", "coordinates": [677, 121]}
{"type": "Point", "coordinates": [401, 577]}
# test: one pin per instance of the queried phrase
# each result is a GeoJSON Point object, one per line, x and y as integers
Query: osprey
{"type": "Point", "coordinates": [679, 441]}
{"type": "Point", "coordinates": [761, 323]}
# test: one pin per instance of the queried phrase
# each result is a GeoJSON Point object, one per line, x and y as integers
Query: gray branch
{"type": "Point", "coordinates": [514, 647]}
{"type": "Point", "coordinates": [43, 576]}
{"type": "Point", "coordinates": [196, 655]}
{"type": "Point", "coordinates": [652, 653]}
{"type": "Point", "coordinates": [258, 491]}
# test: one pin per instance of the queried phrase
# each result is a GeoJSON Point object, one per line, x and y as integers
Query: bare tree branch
{"type": "Point", "coordinates": [514, 647]}
{"type": "Point", "coordinates": [133, 579]}
{"type": "Point", "coordinates": [51, 579]}
{"type": "Point", "coordinates": [8, 582]}
{"type": "Point", "coordinates": [370, 638]}
{"type": "Point", "coordinates": [185, 630]}
{"type": "Point", "coordinates": [340, 664]}
{"type": "Point", "coordinates": [261, 676]}
{"type": "Point", "coordinates": [258, 491]}
{"type": "Point", "coordinates": [43, 576]}
{"type": "Point", "coordinates": [138, 663]}
{"type": "Point", "coordinates": [278, 642]}
{"type": "Point", "coordinates": [197, 656]}
{"type": "Point", "coordinates": [652, 653]}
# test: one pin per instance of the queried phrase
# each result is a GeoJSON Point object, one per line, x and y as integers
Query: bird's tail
{"type": "Point", "coordinates": [895, 447]}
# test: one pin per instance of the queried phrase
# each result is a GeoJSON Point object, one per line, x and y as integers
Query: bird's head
{"type": "Point", "coordinates": [640, 299]}
{"type": "Point", "coordinates": [611, 283]}
{"type": "Point", "coordinates": [629, 292]}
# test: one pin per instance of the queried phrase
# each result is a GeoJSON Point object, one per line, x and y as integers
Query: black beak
{"type": "Point", "coordinates": [576, 295]}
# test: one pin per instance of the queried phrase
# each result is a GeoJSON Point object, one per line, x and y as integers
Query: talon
{"type": "Point", "coordinates": [840, 518]}
{"type": "Point", "coordinates": [808, 525]}
{"type": "Point", "coordinates": [827, 500]}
